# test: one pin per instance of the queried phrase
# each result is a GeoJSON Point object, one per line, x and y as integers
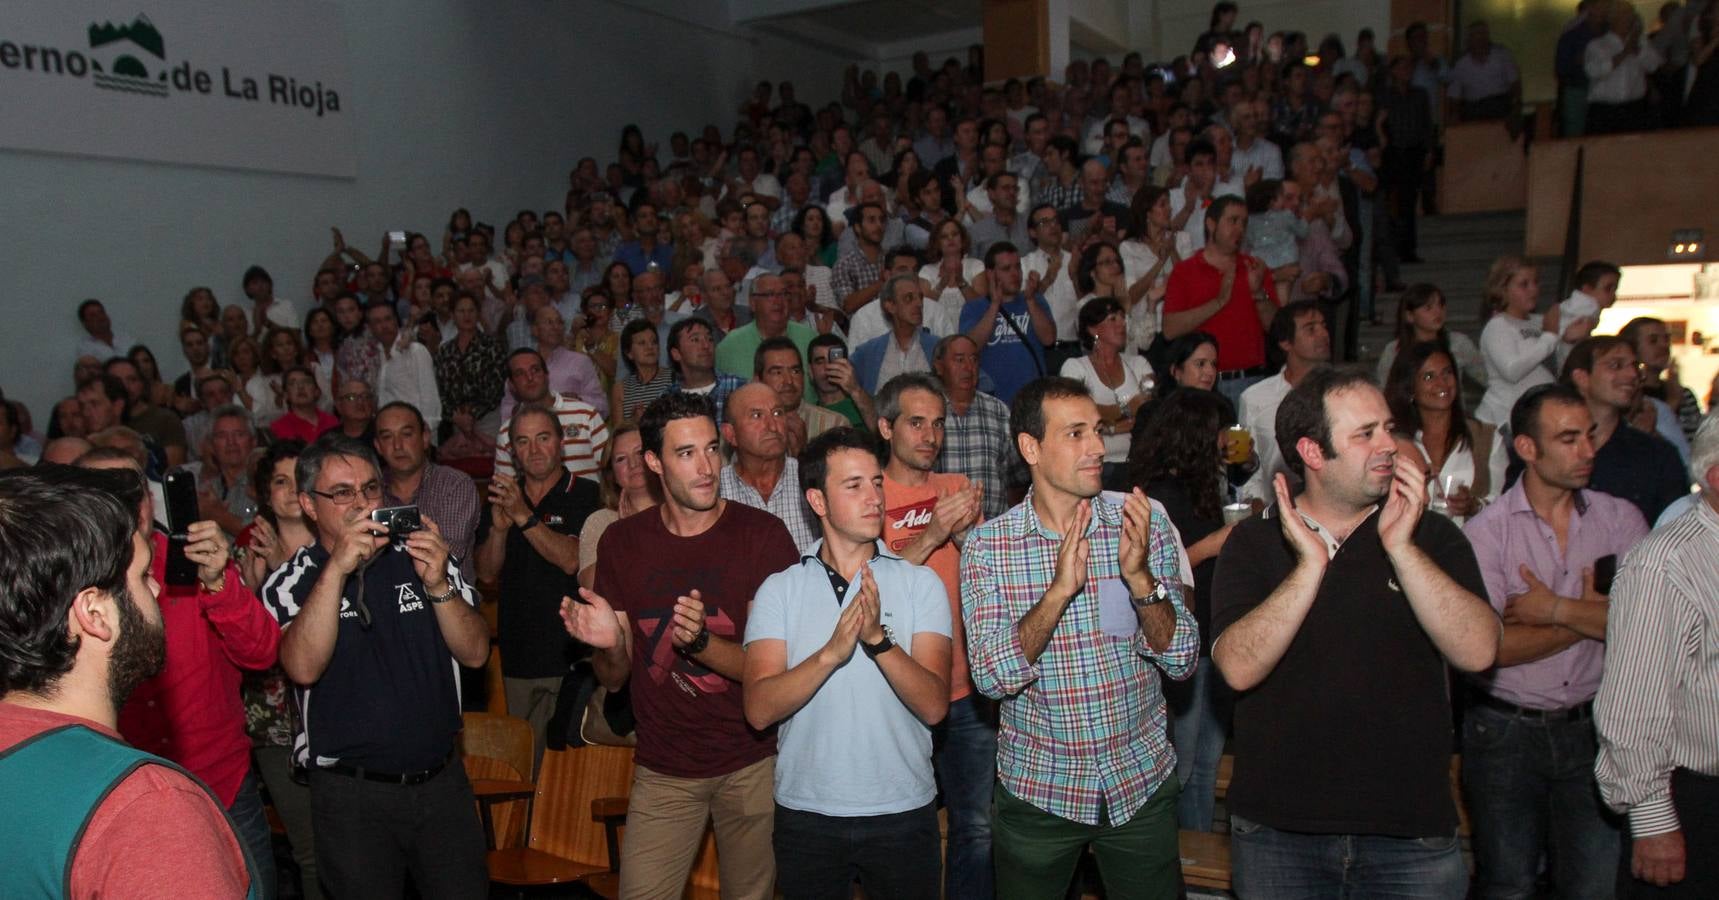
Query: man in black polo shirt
{"type": "Point", "coordinates": [371, 627]}
{"type": "Point", "coordinates": [1336, 621]}
{"type": "Point", "coordinates": [530, 542]}
{"type": "Point", "coordinates": [1639, 467]}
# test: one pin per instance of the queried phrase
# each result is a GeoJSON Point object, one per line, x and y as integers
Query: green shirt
{"type": "Point", "coordinates": [846, 408]}
{"type": "Point", "coordinates": [734, 354]}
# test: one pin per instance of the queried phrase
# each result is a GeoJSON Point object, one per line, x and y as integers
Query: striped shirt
{"type": "Point", "coordinates": [1083, 729]}
{"type": "Point", "coordinates": [786, 501]}
{"type": "Point", "coordinates": [1658, 706]}
{"type": "Point", "coordinates": [583, 437]}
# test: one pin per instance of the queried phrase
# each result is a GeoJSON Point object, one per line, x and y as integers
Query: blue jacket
{"type": "Point", "coordinates": [867, 358]}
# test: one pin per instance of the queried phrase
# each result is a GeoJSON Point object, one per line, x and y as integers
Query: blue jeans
{"type": "Point", "coordinates": [1200, 715]}
{"type": "Point", "coordinates": [966, 761]}
{"type": "Point", "coordinates": [1280, 865]}
{"type": "Point", "coordinates": [1530, 788]}
{"type": "Point", "coordinates": [251, 825]}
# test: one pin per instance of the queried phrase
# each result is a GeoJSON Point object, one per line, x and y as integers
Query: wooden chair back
{"type": "Point", "coordinates": [561, 822]}
{"type": "Point", "coordinates": [509, 817]}
{"type": "Point", "coordinates": [498, 736]}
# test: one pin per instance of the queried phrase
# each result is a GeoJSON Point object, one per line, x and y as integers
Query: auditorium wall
{"type": "Point", "coordinates": [457, 103]}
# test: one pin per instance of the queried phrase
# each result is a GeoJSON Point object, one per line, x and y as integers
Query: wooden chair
{"type": "Point", "coordinates": [508, 816]}
{"type": "Point", "coordinates": [1205, 859]}
{"type": "Point", "coordinates": [498, 736]}
{"type": "Point", "coordinates": [566, 845]}
{"type": "Point", "coordinates": [1226, 768]}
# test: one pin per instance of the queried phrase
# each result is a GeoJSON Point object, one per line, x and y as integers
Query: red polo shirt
{"type": "Point", "coordinates": [1241, 339]}
{"type": "Point", "coordinates": [191, 712]}
{"type": "Point", "coordinates": [291, 425]}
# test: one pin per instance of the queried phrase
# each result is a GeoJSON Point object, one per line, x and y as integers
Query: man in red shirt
{"type": "Point", "coordinates": [79, 616]}
{"type": "Point", "coordinates": [303, 420]}
{"type": "Point", "coordinates": [1225, 292]}
{"type": "Point", "coordinates": [190, 712]}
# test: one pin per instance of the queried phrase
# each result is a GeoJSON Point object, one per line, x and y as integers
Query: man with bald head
{"type": "Point", "coordinates": [734, 354]}
{"type": "Point", "coordinates": [1093, 213]}
{"type": "Point", "coordinates": [65, 451]}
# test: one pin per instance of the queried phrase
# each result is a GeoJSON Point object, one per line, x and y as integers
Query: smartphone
{"type": "Point", "coordinates": [180, 487]}
{"type": "Point", "coordinates": [396, 241]}
{"type": "Point", "coordinates": [1605, 570]}
{"type": "Point", "coordinates": [838, 353]}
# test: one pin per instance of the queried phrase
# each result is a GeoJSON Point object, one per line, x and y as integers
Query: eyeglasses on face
{"type": "Point", "coordinates": [346, 494]}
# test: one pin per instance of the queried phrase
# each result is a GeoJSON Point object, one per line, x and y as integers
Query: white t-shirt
{"type": "Point", "coordinates": [1059, 294]}
{"type": "Point", "coordinates": [1516, 352]}
{"type": "Point", "coordinates": [1136, 380]}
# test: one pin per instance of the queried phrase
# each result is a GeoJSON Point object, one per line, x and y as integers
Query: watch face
{"type": "Point", "coordinates": [889, 634]}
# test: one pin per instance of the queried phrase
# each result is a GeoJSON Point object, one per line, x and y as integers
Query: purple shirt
{"type": "Point", "coordinates": [571, 374]}
{"type": "Point", "coordinates": [1507, 535]}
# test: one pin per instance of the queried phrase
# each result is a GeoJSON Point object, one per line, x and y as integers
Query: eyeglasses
{"type": "Point", "coordinates": [346, 494]}
{"type": "Point", "coordinates": [1043, 220]}
{"type": "Point", "coordinates": [348, 398]}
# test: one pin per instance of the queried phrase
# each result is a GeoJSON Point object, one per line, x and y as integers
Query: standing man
{"type": "Point", "coordinates": [908, 345]}
{"type": "Point", "coordinates": [692, 353]}
{"type": "Point", "coordinates": [584, 434]}
{"type": "Point", "coordinates": [161, 426]}
{"type": "Point", "coordinates": [1013, 327]}
{"type": "Point", "coordinates": [674, 589]}
{"type": "Point", "coordinates": [1659, 759]}
{"type": "Point", "coordinates": [780, 365]}
{"type": "Point", "coordinates": [644, 250]}
{"type": "Point", "coordinates": [1528, 739]}
{"type": "Point", "coordinates": [371, 626]}
{"type": "Point", "coordinates": [1628, 463]}
{"type": "Point", "coordinates": [100, 341]}
{"type": "Point", "coordinates": [1302, 333]}
{"type": "Point", "coordinates": [976, 426]}
{"type": "Point", "coordinates": [927, 516]}
{"type": "Point", "coordinates": [1344, 655]}
{"type": "Point", "coordinates": [854, 790]}
{"type": "Point", "coordinates": [86, 815]}
{"type": "Point", "coordinates": [1073, 606]}
{"type": "Point", "coordinates": [407, 374]}
{"type": "Point", "coordinates": [531, 546]}
{"type": "Point", "coordinates": [764, 475]}
{"type": "Point", "coordinates": [1223, 291]}
{"type": "Point", "coordinates": [737, 352]}
{"type": "Point", "coordinates": [441, 492]}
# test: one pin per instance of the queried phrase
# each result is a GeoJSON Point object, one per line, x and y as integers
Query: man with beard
{"type": "Point", "coordinates": [1635, 465]}
{"type": "Point", "coordinates": [1336, 618]}
{"type": "Point", "coordinates": [86, 815]}
{"type": "Point", "coordinates": [189, 712]}
{"type": "Point", "coordinates": [371, 622]}
{"type": "Point", "coordinates": [673, 590]}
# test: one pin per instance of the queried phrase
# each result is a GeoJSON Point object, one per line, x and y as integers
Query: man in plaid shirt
{"type": "Point", "coordinates": [1070, 602]}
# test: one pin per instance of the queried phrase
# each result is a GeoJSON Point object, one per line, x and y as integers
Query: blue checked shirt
{"type": "Point", "coordinates": [976, 444]}
{"type": "Point", "coordinates": [1083, 730]}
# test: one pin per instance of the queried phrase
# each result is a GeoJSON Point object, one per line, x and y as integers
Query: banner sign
{"type": "Point", "coordinates": [242, 85]}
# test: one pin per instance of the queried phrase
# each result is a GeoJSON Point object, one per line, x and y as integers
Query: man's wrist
{"type": "Point", "coordinates": [1140, 585]}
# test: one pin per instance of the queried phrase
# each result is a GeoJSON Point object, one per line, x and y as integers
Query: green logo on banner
{"type": "Point", "coordinates": [126, 72]}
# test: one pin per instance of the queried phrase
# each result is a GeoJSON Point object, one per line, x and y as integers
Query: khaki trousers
{"type": "Point", "coordinates": [666, 817]}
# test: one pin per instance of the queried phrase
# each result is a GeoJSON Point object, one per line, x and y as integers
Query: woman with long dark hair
{"type": "Point", "coordinates": [1464, 458]}
{"type": "Point", "coordinates": [813, 224]}
{"type": "Point", "coordinates": [1421, 318]}
{"type": "Point", "coordinates": [1178, 460]}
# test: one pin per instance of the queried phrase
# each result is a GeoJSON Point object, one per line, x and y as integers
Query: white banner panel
{"type": "Point", "coordinates": [243, 85]}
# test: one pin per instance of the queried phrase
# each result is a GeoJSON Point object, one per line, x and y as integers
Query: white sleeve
{"type": "Point", "coordinates": [1511, 354]}
{"type": "Point", "coordinates": [429, 396]}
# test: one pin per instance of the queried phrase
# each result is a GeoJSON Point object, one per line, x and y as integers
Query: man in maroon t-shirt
{"type": "Point", "coordinates": [1225, 292]}
{"type": "Point", "coordinates": [673, 587]}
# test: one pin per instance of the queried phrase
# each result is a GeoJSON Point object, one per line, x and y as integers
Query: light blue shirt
{"type": "Point", "coordinates": [854, 749]}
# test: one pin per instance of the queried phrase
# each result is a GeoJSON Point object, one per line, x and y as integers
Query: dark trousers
{"type": "Point", "coordinates": [1613, 118]}
{"type": "Point", "coordinates": [1696, 798]}
{"type": "Point", "coordinates": [369, 835]}
{"type": "Point", "coordinates": [966, 761]}
{"type": "Point", "coordinates": [1269, 864]}
{"type": "Point", "coordinates": [1404, 167]}
{"type": "Point", "coordinates": [895, 856]}
{"type": "Point", "coordinates": [1037, 851]}
{"type": "Point", "coordinates": [1530, 788]}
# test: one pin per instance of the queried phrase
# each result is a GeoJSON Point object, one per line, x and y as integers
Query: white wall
{"type": "Point", "coordinates": [457, 103]}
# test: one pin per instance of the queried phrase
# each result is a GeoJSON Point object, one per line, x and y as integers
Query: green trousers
{"type": "Point", "coordinates": [1036, 851]}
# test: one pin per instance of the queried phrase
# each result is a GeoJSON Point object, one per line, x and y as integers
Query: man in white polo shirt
{"type": "Point", "coordinates": [855, 791]}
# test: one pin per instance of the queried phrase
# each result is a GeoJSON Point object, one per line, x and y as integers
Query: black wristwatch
{"type": "Point", "coordinates": [697, 645]}
{"type": "Point", "coordinates": [531, 521]}
{"type": "Point", "coordinates": [881, 647]}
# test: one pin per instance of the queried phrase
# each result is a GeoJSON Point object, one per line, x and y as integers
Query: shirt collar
{"type": "Point", "coordinates": [1516, 500]}
{"type": "Point", "coordinates": [1102, 511]}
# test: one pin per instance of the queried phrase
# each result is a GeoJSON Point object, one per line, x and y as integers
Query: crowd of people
{"type": "Point", "coordinates": [1615, 75]}
{"type": "Point", "coordinates": [950, 444]}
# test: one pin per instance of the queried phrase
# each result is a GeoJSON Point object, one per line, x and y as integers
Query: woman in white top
{"type": "Point", "coordinates": [1516, 348]}
{"type": "Point", "coordinates": [951, 277]}
{"type": "Point", "coordinates": [321, 339]}
{"type": "Point", "coordinates": [1427, 406]}
{"type": "Point", "coordinates": [1150, 249]}
{"type": "Point", "coordinates": [1098, 273]}
{"type": "Point", "coordinates": [1120, 382]}
{"type": "Point", "coordinates": [1420, 318]}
